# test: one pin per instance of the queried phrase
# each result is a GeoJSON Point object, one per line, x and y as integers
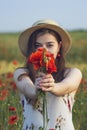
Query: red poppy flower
{"type": "Point", "coordinates": [3, 94]}
{"type": "Point", "coordinates": [83, 81]}
{"type": "Point", "coordinates": [14, 87]}
{"type": "Point", "coordinates": [51, 66]}
{"type": "Point", "coordinates": [36, 58]}
{"type": "Point", "coordinates": [0, 83]}
{"type": "Point", "coordinates": [13, 119]}
{"type": "Point", "coordinates": [15, 62]}
{"type": "Point", "coordinates": [12, 108]}
{"type": "Point", "coordinates": [43, 59]}
{"type": "Point", "coordinates": [9, 75]}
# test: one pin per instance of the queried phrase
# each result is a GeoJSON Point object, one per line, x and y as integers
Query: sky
{"type": "Point", "coordinates": [17, 15]}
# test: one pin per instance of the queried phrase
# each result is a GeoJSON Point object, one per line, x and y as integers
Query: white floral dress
{"type": "Point", "coordinates": [59, 108]}
{"type": "Point", "coordinates": [59, 113]}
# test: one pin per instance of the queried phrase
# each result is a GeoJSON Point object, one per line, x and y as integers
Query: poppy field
{"type": "Point", "coordinates": [10, 58]}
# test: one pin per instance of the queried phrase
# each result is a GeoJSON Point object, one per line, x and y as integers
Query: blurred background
{"type": "Point", "coordinates": [17, 15]}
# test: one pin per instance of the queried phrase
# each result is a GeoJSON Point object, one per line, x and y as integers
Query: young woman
{"type": "Point", "coordinates": [60, 87]}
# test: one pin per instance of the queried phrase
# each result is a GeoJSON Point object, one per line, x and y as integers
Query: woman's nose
{"type": "Point", "coordinates": [45, 47]}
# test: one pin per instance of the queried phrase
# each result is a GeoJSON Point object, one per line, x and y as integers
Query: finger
{"type": "Point", "coordinates": [49, 80]}
{"type": "Point", "coordinates": [48, 76]}
{"type": "Point", "coordinates": [46, 85]}
{"type": "Point", "coordinates": [38, 79]}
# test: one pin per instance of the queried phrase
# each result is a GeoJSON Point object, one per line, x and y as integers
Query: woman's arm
{"type": "Point", "coordinates": [69, 84]}
{"type": "Point", "coordinates": [24, 83]}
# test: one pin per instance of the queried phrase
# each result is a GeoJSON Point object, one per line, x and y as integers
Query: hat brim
{"type": "Point", "coordinates": [24, 37]}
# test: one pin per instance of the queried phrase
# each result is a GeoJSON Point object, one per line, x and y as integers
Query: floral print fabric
{"type": "Point", "coordinates": [59, 113]}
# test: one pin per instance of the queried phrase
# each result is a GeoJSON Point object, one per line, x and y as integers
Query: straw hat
{"type": "Point", "coordinates": [24, 37]}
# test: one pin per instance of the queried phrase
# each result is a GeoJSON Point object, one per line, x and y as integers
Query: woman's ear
{"type": "Point", "coordinates": [60, 44]}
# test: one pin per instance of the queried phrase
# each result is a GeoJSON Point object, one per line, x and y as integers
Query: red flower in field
{"type": "Point", "coordinates": [15, 62]}
{"type": "Point", "coordinates": [9, 75]}
{"type": "Point", "coordinates": [43, 59]}
{"type": "Point", "coordinates": [1, 83]}
{"type": "Point", "coordinates": [85, 88]}
{"type": "Point", "coordinates": [12, 108]}
{"type": "Point", "coordinates": [83, 81]}
{"type": "Point", "coordinates": [13, 119]}
{"type": "Point", "coordinates": [3, 94]}
{"type": "Point", "coordinates": [13, 85]}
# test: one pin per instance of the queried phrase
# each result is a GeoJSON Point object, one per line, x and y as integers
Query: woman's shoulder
{"type": "Point", "coordinates": [19, 71]}
{"type": "Point", "coordinates": [74, 77]}
{"type": "Point", "coordinates": [73, 71]}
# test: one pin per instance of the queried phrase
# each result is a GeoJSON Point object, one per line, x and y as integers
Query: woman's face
{"type": "Point", "coordinates": [49, 42]}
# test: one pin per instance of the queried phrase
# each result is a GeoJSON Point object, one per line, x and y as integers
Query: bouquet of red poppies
{"type": "Point", "coordinates": [43, 61]}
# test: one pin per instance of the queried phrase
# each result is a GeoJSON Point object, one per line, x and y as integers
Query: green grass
{"type": "Point", "coordinates": [9, 48]}
{"type": "Point", "coordinates": [78, 53]}
{"type": "Point", "coordinates": [9, 52]}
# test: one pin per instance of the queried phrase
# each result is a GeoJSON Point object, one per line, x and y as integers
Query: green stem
{"type": "Point", "coordinates": [45, 114]}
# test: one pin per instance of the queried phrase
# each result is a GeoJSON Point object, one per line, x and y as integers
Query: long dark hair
{"type": "Point", "coordinates": [60, 62]}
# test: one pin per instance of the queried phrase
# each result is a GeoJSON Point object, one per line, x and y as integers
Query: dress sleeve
{"type": "Point", "coordinates": [25, 85]}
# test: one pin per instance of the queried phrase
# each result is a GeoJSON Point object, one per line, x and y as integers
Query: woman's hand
{"type": "Point", "coordinates": [46, 83]}
{"type": "Point", "coordinates": [38, 79]}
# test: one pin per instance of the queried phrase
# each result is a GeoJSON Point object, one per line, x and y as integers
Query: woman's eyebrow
{"type": "Point", "coordinates": [37, 43]}
{"type": "Point", "coordinates": [49, 42]}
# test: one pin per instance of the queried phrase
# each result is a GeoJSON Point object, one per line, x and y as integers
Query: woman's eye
{"type": "Point", "coordinates": [50, 45]}
{"type": "Point", "coordinates": [37, 46]}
